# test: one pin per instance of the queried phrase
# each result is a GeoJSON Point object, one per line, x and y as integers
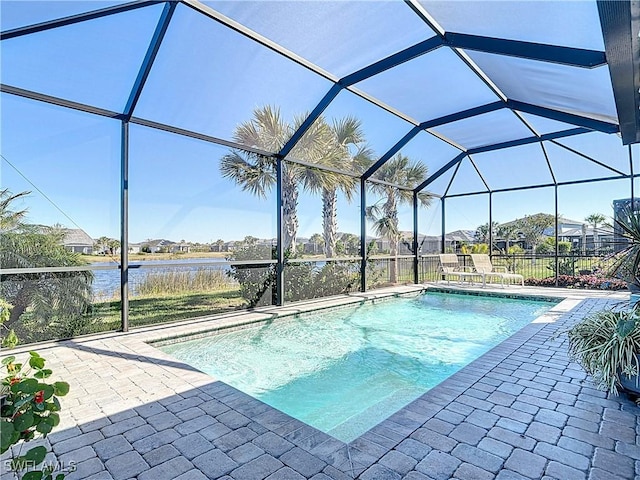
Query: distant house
{"type": "Point", "coordinates": [162, 245]}
{"type": "Point", "coordinates": [77, 240]}
{"type": "Point", "coordinates": [156, 245]}
{"type": "Point", "coordinates": [181, 247]}
{"type": "Point", "coordinates": [583, 237]}
{"type": "Point", "coordinates": [135, 247]}
{"type": "Point", "coordinates": [580, 234]}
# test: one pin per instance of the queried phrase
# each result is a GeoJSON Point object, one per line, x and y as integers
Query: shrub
{"type": "Point", "coordinates": [606, 345]}
{"type": "Point", "coordinates": [302, 280]}
{"type": "Point", "coordinates": [29, 409]}
{"type": "Point", "coordinates": [566, 266]}
{"type": "Point", "coordinates": [257, 282]}
{"type": "Point", "coordinates": [591, 282]}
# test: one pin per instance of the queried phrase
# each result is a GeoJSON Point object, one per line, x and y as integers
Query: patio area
{"type": "Point", "coordinates": [522, 410]}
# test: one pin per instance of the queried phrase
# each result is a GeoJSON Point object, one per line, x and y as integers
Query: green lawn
{"type": "Point", "coordinates": [147, 310]}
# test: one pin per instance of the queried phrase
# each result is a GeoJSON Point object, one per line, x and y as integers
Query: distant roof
{"type": "Point", "coordinates": [76, 236]}
{"type": "Point", "coordinates": [461, 236]}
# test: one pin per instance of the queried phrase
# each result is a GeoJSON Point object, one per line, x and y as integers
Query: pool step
{"type": "Point", "coordinates": [370, 401]}
{"type": "Point", "coordinates": [355, 425]}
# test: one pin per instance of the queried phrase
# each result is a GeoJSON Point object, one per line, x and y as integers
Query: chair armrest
{"type": "Point", "coordinates": [465, 268]}
{"type": "Point", "coordinates": [500, 268]}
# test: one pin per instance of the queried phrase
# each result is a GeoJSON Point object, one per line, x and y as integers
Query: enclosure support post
{"type": "Point", "coordinates": [416, 254]}
{"type": "Point", "coordinates": [491, 225]}
{"type": "Point", "coordinates": [555, 190]}
{"type": "Point", "coordinates": [442, 227]}
{"type": "Point", "coordinates": [363, 235]}
{"type": "Point", "coordinates": [124, 226]}
{"type": "Point", "coordinates": [279, 300]}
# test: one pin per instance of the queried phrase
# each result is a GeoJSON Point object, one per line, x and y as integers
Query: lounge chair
{"type": "Point", "coordinates": [483, 266]}
{"type": "Point", "coordinates": [449, 267]}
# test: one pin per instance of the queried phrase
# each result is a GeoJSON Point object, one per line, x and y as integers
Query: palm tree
{"type": "Point", "coordinates": [101, 244]}
{"type": "Point", "coordinates": [399, 170]}
{"type": "Point", "coordinates": [346, 151]}
{"type": "Point", "coordinates": [10, 219]}
{"type": "Point", "coordinates": [114, 244]}
{"type": "Point", "coordinates": [316, 241]}
{"type": "Point", "coordinates": [257, 173]}
{"type": "Point", "coordinates": [595, 219]}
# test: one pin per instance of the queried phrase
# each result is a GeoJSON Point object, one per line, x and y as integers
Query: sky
{"type": "Point", "coordinates": [210, 79]}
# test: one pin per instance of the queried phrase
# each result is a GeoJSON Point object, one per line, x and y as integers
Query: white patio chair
{"type": "Point", "coordinates": [482, 265]}
{"type": "Point", "coordinates": [449, 267]}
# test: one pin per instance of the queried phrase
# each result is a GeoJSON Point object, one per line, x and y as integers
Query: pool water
{"type": "Point", "coordinates": [343, 371]}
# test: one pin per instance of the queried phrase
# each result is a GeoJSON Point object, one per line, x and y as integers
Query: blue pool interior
{"type": "Point", "coordinates": [343, 371]}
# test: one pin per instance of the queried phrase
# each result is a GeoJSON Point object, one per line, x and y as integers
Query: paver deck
{"type": "Point", "coordinates": [522, 410]}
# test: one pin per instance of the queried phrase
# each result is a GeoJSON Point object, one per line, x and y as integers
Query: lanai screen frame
{"type": "Point", "coordinates": [621, 63]}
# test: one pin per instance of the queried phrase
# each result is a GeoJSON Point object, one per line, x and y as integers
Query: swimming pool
{"type": "Point", "coordinates": [343, 371]}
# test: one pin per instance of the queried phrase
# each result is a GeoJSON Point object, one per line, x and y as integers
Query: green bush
{"type": "Point", "coordinates": [302, 280]}
{"type": "Point", "coordinates": [257, 282]}
{"type": "Point", "coordinates": [548, 247]}
{"type": "Point", "coordinates": [29, 410]}
{"type": "Point", "coordinates": [566, 266]}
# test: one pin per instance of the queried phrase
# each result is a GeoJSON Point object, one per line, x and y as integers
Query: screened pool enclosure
{"type": "Point", "coordinates": [164, 160]}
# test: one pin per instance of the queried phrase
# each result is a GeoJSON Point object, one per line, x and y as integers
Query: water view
{"type": "Point", "coordinates": [106, 283]}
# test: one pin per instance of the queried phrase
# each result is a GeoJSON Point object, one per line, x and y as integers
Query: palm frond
{"type": "Point", "coordinates": [256, 174]}
{"type": "Point", "coordinates": [625, 263]}
{"type": "Point", "coordinates": [11, 219]}
{"type": "Point", "coordinates": [266, 130]}
{"type": "Point", "coordinates": [348, 131]}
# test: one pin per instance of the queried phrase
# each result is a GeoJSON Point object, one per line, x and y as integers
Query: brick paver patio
{"type": "Point", "coordinates": [521, 411]}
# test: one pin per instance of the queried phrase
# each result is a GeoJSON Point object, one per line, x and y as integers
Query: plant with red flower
{"type": "Point", "coordinates": [28, 408]}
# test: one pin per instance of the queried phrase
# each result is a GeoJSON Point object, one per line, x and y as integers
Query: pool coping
{"type": "Point", "coordinates": [364, 452]}
{"type": "Point", "coordinates": [226, 327]}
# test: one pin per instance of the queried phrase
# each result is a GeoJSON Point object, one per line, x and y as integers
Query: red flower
{"type": "Point", "coordinates": [39, 397]}
{"type": "Point", "coordinates": [14, 380]}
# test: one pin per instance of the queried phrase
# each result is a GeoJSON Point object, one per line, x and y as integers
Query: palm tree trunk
{"type": "Point", "coordinates": [329, 221]}
{"type": "Point", "coordinates": [391, 212]}
{"type": "Point", "coordinates": [289, 213]}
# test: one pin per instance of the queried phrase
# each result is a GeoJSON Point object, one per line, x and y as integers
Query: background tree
{"type": "Point", "coordinates": [482, 232]}
{"type": "Point", "coordinates": [594, 220]}
{"type": "Point", "coordinates": [507, 232]}
{"type": "Point", "coordinates": [101, 244]}
{"type": "Point", "coordinates": [316, 240]}
{"type": "Point", "coordinates": [219, 243]}
{"type": "Point", "coordinates": [533, 227]}
{"type": "Point", "coordinates": [348, 244]}
{"type": "Point", "coordinates": [384, 215]}
{"type": "Point", "coordinates": [114, 245]}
